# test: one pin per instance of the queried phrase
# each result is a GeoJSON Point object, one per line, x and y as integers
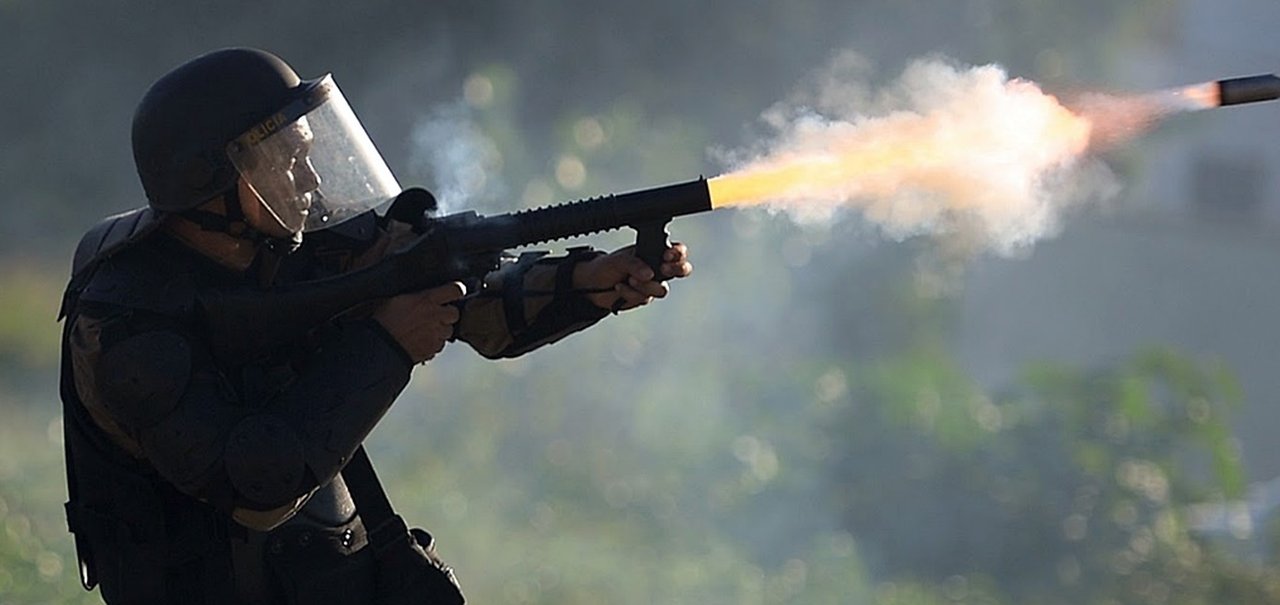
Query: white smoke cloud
{"type": "Point", "coordinates": [945, 150]}
{"type": "Point", "coordinates": [462, 165]}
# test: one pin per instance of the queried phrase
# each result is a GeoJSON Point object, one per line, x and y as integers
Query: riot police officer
{"type": "Point", "coordinates": [197, 476]}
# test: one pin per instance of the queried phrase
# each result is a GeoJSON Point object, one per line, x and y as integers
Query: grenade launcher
{"type": "Point", "coordinates": [457, 247]}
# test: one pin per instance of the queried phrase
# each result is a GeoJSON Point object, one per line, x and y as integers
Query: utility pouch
{"type": "Point", "coordinates": [411, 573]}
{"type": "Point", "coordinates": [322, 565]}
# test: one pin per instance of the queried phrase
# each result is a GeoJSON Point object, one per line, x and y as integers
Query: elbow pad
{"type": "Point", "coordinates": [345, 390]}
{"type": "Point", "coordinates": [306, 437]}
{"type": "Point", "coordinates": [265, 461]}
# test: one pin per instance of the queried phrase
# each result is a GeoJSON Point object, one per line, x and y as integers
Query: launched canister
{"type": "Point", "coordinates": [1249, 89]}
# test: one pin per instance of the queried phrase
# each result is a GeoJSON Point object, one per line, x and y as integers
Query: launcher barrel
{"type": "Point", "coordinates": [636, 209]}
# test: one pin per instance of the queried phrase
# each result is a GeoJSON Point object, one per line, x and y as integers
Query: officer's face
{"type": "Point", "coordinates": [257, 215]}
{"type": "Point", "coordinates": [284, 190]}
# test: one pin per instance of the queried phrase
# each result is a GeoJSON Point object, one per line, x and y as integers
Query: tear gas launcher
{"type": "Point", "coordinates": [457, 247]}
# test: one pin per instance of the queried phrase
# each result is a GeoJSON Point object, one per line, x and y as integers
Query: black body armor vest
{"type": "Point", "coordinates": [143, 540]}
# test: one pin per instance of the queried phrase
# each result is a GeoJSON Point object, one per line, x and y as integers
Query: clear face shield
{"type": "Point", "coordinates": [312, 163]}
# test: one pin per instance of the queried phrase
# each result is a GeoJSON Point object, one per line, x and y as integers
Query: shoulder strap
{"type": "Point", "coordinates": [385, 528]}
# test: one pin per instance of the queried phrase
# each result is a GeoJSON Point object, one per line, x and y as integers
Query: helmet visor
{"type": "Point", "coordinates": [312, 163]}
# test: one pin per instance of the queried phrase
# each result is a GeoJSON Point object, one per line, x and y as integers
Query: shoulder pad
{"type": "Point", "coordinates": [108, 237]}
{"type": "Point", "coordinates": [141, 280]}
{"type": "Point", "coordinates": [144, 376]}
{"type": "Point", "coordinates": [112, 235]}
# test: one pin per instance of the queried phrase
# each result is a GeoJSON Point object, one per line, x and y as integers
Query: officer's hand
{"type": "Point", "coordinates": [422, 321]}
{"type": "Point", "coordinates": [626, 280]}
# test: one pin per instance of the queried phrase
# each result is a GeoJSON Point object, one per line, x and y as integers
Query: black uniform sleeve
{"type": "Point", "coordinates": [153, 386]}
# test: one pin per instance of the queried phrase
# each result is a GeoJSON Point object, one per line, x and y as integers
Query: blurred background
{"type": "Point", "coordinates": [821, 415]}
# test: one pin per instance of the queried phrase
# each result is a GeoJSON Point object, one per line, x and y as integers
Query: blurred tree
{"type": "Point", "coordinates": [1074, 487]}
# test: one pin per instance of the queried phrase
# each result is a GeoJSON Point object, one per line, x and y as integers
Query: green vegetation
{"type": "Point", "coordinates": [36, 560]}
{"type": "Point", "coordinates": [28, 308]}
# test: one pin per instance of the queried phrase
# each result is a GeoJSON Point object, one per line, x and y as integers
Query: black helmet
{"type": "Point", "coordinates": [182, 126]}
{"type": "Point", "coordinates": [244, 114]}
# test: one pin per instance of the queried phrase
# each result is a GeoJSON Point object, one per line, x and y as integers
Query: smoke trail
{"type": "Point", "coordinates": [944, 150]}
{"type": "Point", "coordinates": [457, 158]}
{"type": "Point", "coordinates": [1117, 118]}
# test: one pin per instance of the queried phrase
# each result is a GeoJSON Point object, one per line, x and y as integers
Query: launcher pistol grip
{"type": "Point", "coordinates": [652, 241]}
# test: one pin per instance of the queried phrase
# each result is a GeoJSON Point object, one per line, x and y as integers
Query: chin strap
{"type": "Point", "coordinates": [232, 222]}
{"type": "Point", "coordinates": [269, 250]}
